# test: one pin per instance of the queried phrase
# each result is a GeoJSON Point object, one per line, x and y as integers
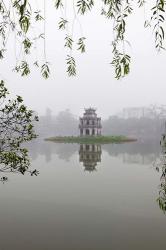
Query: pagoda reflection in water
{"type": "Point", "coordinates": [90, 155]}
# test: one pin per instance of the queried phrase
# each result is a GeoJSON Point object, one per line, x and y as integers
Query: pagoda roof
{"type": "Point", "coordinates": [90, 109]}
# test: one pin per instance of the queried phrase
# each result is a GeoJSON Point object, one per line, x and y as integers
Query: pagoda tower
{"type": "Point", "coordinates": [90, 124]}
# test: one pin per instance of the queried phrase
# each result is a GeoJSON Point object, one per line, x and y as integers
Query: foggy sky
{"type": "Point", "coordinates": [95, 84]}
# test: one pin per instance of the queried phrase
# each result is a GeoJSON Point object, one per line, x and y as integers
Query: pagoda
{"type": "Point", "coordinates": [90, 124]}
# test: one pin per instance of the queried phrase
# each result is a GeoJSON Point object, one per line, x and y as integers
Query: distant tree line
{"type": "Point", "coordinates": [144, 127]}
{"type": "Point", "coordinates": [65, 123]}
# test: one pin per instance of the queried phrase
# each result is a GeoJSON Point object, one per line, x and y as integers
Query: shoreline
{"type": "Point", "coordinates": [91, 139]}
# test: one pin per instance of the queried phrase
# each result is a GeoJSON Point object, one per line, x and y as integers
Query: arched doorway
{"type": "Point", "coordinates": [87, 131]}
{"type": "Point", "coordinates": [93, 131]}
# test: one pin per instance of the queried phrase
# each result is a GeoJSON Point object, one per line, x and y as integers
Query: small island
{"type": "Point", "coordinates": [90, 132]}
{"type": "Point", "coordinates": [90, 139]}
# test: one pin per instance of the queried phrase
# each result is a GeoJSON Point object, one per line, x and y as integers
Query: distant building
{"type": "Point", "coordinates": [152, 112]}
{"type": "Point", "coordinates": [90, 124]}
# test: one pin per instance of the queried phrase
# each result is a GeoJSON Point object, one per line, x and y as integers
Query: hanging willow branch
{"type": "Point", "coordinates": [18, 16]}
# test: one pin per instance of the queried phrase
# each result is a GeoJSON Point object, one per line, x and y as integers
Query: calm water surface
{"type": "Point", "coordinates": [101, 198]}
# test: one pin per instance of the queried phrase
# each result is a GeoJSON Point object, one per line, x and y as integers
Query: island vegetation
{"type": "Point", "coordinates": [91, 139]}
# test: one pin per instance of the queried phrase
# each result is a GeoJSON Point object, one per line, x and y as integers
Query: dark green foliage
{"type": "Point", "coordinates": [18, 18]}
{"type": "Point", "coordinates": [27, 45]}
{"type": "Point", "coordinates": [23, 68]}
{"type": "Point", "coordinates": [24, 14]}
{"type": "Point", "coordinates": [62, 23]}
{"type": "Point", "coordinates": [158, 21]}
{"type": "Point", "coordinates": [38, 17]}
{"type": "Point", "coordinates": [161, 167]}
{"type": "Point", "coordinates": [16, 127]}
{"type": "Point", "coordinates": [58, 3]}
{"type": "Point", "coordinates": [81, 44]}
{"type": "Point", "coordinates": [141, 2]}
{"type": "Point", "coordinates": [84, 6]}
{"type": "Point", "coordinates": [71, 66]}
{"type": "Point", "coordinates": [162, 197]}
{"type": "Point", "coordinates": [45, 70]}
{"type": "Point", "coordinates": [2, 53]}
{"type": "Point", "coordinates": [118, 11]}
{"type": "Point", "coordinates": [68, 42]}
{"type": "Point", "coordinates": [121, 62]}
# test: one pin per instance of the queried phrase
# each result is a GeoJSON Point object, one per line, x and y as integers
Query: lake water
{"type": "Point", "coordinates": [85, 198]}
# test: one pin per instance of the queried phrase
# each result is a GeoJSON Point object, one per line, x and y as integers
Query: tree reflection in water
{"type": "Point", "coordinates": [90, 155]}
{"type": "Point", "coordinates": [160, 165]}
